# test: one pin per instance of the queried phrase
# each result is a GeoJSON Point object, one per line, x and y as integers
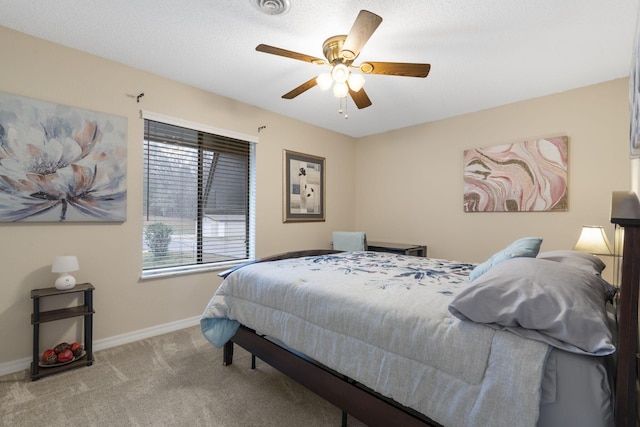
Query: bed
{"type": "Point", "coordinates": [398, 340]}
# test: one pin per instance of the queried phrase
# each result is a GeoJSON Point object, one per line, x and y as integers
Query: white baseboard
{"type": "Point", "coordinates": [141, 334]}
{"type": "Point", "coordinates": [105, 343]}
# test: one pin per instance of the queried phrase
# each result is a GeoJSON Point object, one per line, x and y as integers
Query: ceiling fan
{"type": "Point", "coordinates": [340, 52]}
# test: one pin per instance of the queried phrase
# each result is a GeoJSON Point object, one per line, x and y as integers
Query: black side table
{"type": "Point", "coordinates": [398, 248]}
{"type": "Point", "coordinates": [38, 317]}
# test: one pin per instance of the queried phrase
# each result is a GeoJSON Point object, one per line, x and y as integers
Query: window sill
{"type": "Point", "coordinates": [160, 273]}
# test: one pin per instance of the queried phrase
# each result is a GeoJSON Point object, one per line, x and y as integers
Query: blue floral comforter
{"type": "Point", "coordinates": [383, 320]}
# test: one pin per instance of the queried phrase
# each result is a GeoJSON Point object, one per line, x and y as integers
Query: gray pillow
{"type": "Point", "coordinates": [544, 300]}
{"type": "Point", "coordinates": [582, 260]}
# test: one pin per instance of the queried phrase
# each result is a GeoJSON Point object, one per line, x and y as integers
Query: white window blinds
{"type": "Point", "coordinates": [197, 197]}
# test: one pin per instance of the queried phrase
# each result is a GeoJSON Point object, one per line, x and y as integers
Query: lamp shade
{"type": "Point", "coordinates": [340, 90]}
{"type": "Point", "coordinates": [593, 240]}
{"type": "Point", "coordinates": [356, 81]}
{"type": "Point", "coordinates": [324, 81]}
{"type": "Point", "coordinates": [63, 265]}
{"type": "Point", "coordinates": [340, 73]}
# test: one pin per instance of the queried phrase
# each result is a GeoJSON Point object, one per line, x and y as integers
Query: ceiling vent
{"type": "Point", "coordinates": [271, 7]}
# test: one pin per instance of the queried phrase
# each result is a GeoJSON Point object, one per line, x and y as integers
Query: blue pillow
{"type": "Point", "coordinates": [525, 247]}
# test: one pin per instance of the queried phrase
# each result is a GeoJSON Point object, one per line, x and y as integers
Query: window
{"type": "Point", "coordinates": [198, 197]}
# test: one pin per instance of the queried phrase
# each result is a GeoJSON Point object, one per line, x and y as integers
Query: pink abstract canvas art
{"type": "Point", "coordinates": [526, 176]}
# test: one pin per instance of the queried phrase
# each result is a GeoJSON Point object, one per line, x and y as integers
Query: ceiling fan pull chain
{"type": "Point", "coordinates": [339, 105]}
{"type": "Point", "coordinates": [346, 108]}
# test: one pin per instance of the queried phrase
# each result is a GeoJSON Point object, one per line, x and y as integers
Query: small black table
{"type": "Point", "coordinates": [85, 310]}
{"type": "Point", "coordinates": [398, 248]}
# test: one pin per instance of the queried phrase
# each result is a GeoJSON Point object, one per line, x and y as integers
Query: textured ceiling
{"type": "Point", "coordinates": [483, 53]}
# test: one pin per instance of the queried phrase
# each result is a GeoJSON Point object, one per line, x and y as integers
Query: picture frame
{"type": "Point", "coordinates": [524, 176]}
{"type": "Point", "coordinates": [303, 195]}
{"type": "Point", "coordinates": [61, 163]}
{"type": "Point", "coordinates": [634, 100]}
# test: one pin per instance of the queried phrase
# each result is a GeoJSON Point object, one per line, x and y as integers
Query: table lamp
{"type": "Point", "coordinates": [593, 240]}
{"type": "Point", "coordinates": [63, 265]}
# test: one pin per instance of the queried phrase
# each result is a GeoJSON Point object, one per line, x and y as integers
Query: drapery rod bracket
{"type": "Point", "coordinates": [139, 96]}
{"type": "Point", "coordinates": [262, 127]}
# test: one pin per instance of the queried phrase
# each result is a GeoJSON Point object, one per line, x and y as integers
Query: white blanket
{"type": "Point", "coordinates": [382, 320]}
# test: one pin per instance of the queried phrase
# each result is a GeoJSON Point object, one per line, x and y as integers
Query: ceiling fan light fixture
{"type": "Point", "coordinates": [324, 81]}
{"type": "Point", "coordinates": [356, 81]}
{"type": "Point", "coordinates": [340, 90]}
{"type": "Point", "coordinates": [340, 73]}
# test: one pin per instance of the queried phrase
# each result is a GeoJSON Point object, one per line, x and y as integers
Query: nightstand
{"type": "Point", "coordinates": [38, 317]}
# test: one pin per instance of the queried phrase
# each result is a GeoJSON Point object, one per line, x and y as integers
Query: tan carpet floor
{"type": "Point", "coordinates": [176, 379]}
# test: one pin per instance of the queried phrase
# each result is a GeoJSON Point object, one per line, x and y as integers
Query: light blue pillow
{"type": "Point", "coordinates": [525, 247]}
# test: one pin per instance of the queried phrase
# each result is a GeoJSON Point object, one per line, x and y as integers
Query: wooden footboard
{"type": "Point", "coordinates": [368, 407]}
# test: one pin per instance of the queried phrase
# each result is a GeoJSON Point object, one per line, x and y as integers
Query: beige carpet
{"type": "Point", "coordinates": [175, 379]}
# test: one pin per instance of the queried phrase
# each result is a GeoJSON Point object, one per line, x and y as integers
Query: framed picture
{"type": "Point", "coordinates": [61, 163]}
{"type": "Point", "coordinates": [303, 192]}
{"type": "Point", "coordinates": [634, 100]}
{"type": "Point", "coordinates": [525, 176]}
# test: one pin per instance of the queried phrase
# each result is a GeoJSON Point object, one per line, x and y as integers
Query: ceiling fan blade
{"type": "Point", "coordinates": [290, 54]}
{"type": "Point", "coordinates": [363, 27]}
{"type": "Point", "coordinates": [360, 98]}
{"type": "Point", "coordinates": [396, 68]}
{"type": "Point", "coordinates": [301, 89]}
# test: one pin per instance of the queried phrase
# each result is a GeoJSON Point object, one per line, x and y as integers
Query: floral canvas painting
{"type": "Point", "coordinates": [60, 163]}
{"type": "Point", "coordinates": [526, 176]}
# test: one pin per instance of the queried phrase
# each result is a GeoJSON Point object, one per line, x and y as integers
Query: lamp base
{"type": "Point", "coordinates": [65, 281]}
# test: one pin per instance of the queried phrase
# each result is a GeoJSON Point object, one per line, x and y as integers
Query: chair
{"type": "Point", "coordinates": [349, 241]}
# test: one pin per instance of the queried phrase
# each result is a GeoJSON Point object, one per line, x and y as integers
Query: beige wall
{"type": "Point", "coordinates": [110, 253]}
{"type": "Point", "coordinates": [403, 186]}
{"type": "Point", "coordinates": [409, 185]}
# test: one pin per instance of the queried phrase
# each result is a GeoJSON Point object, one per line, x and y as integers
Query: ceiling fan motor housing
{"type": "Point", "coordinates": [332, 48]}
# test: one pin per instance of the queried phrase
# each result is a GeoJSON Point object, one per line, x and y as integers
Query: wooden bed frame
{"type": "Point", "coordinates": [625, 214]}
{"type": "Point", "coordinates": [352, 398]}
{"type": "Point", "coordinates": [376, 410]}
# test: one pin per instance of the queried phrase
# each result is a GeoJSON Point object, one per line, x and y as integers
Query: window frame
{"type": "Point", "coordinates": [212, 266]}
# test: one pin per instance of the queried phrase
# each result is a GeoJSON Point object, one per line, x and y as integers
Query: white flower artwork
{"type": "Point", "coordinates": [60, 163]}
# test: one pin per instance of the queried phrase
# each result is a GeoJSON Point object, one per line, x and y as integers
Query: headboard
{"type": "Point", "coordinates": [625, 214]}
